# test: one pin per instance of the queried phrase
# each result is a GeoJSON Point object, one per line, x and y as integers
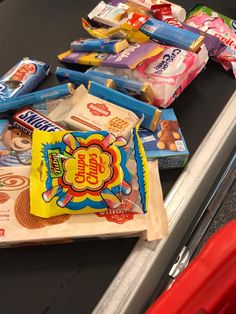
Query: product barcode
{"type": "Point", "coordinates": [147, 139]}
{"type": "Point", "coordinates": [150, 29]}
{"type": "Point", "coordinates": [180, 146]}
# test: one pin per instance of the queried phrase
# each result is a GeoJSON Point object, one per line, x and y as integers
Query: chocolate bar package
{"type": "Point", "coordinates": [18, 227]}
{"type": "Point", "coordinates": [22, 78]}
{"type": "Point", "coordinates": [167, 143]}
{"type": "Point", "coordinates": [141, 90]}
{"type": "Point", "coordinates": [38, 97]}
{"type": "Point", "coordinates": [65, 76]}
{"type": "Point", "coordinates": [108, 14]}
{"type": "Point", "coordinates": [99, 45]}
{"type": "Point", "coordinates": [128, 58]}
{"type": "Point", "coordinates": [168, 73]}
{"type": "Point", "coordinates": [28, 120]}
{"type": "Point", "coordinates": [170, 35]}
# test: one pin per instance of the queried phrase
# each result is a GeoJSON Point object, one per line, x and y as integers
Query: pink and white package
{"type": "Point", "coordinates": [219, 26]}
{"type": "Point", "coordinates": [168, 72]}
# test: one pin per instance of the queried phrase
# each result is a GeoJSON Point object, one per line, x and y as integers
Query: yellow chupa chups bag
{"type": "Point", "coordinates": [86, 172]}
{"type": "Point", "coordinates": [96, 173]}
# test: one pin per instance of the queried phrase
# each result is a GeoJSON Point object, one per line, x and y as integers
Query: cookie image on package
{"type": "Point", "coordinates": [29, 221]}
{"type": "Point", "coordinates": [117, 124]}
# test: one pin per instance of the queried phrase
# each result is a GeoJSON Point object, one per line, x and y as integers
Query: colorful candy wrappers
{"type": "Point", "coordinates": [86, 172]}
{"type": "Point", "coordinates": [220, 26]}
{"type": "Point", "coordinates": [178, 12]}
{"type": "Point", "coordinates": [168, 73]}
{"type": "Point", "coordinates": [19, 226]}
{"type": "Point", "coordinates": [128, 58]}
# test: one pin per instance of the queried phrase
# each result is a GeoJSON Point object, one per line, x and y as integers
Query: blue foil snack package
{"type": "Point", "coordinates": [38, 97]}
{"type": "Point", "coordinates": [23, 78]}
{"type": "Point", "coordinates": [99, 45]}
{"type": "Point", "coordinates": [65, 76]}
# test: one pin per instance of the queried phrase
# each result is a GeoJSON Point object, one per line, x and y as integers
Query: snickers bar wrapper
{"type": "Point", "coordinates": [18, 227]}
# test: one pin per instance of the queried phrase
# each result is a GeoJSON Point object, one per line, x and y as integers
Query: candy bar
{"type": "Point", "coordinates": [37, 97]}
{"type": "Point", "coordinates": [220, 26]}
{"type": "Point", "coordinates": [28, 119]}
{"type": "Point", "coordinates": [92, 113]}
{"type": "Point", "coordinates": [178, 12]}
{"type": "Point", "coordinates": [128, 58]}
{"type": "Point", "coordinates": [167, 143]}
{"type": "Point", "coordinates": [148, 113]}
{"type": "Point", "coordinates": [108, 14]}
{"type": "Point", "coordinates": [168, 73]}
{"type": "Point", "coordinates": [99, 45]}
{"type": "Point", "coordinates": [22, 78]}
{"type": "Point", "coordinates": [171, 35]}
{"type": "Point", "coordinates": [77, 78]}
{"type": "Point", "coordinates": [86, 172]}
{"type": "Point", "coordinates": [164, 13]}
{"type": "Point", "coordinates": [127, 86]}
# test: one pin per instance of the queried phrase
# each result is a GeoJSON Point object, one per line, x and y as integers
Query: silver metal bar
{"type": "Point", "coordinates": [145, 265]}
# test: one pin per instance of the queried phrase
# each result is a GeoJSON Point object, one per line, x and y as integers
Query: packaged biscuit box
{"type": "Point", "coordinates": [19, 227]}
{"type": "Point", "coordinates": [167, 143]}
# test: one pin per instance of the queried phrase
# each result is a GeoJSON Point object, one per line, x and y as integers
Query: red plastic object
{"type": "Point", "coordinates": [208, 284]}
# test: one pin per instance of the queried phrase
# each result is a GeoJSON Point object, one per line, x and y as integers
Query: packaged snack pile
{"type": "Point", "coordinates": [82, 159]}
{"type": "Point", "coordinates": [219, 26]}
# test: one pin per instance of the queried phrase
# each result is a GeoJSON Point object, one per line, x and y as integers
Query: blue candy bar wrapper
{"type": "Point", "coordinates": [99, 45]}
{"type": "Point", "coordinates": [37, 97]}
{"type": "Point", "coordinates": [135, 88]}
{"type": "Point", "coordinates": [23, 78]}
{"type": "Point", "coordinates": [149, 114]}
{"type": "Point", "coordinates": [166, 143]}
{"type": "Point", "coordinates": [65, 76]}
{"type": "Point", "coordinates": [172, 35]}
{"type": "Point", "coordinates": [123, 84]}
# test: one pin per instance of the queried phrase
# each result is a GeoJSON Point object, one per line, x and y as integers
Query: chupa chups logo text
{"type": "Point", "coordinates": [98, 109]}
{"type": "Point", "coordinates": [89, 168]}
{"type": "Point", "coordinates": [23, 71]}
{"type": "Point", "coordinates": [166, 60]}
